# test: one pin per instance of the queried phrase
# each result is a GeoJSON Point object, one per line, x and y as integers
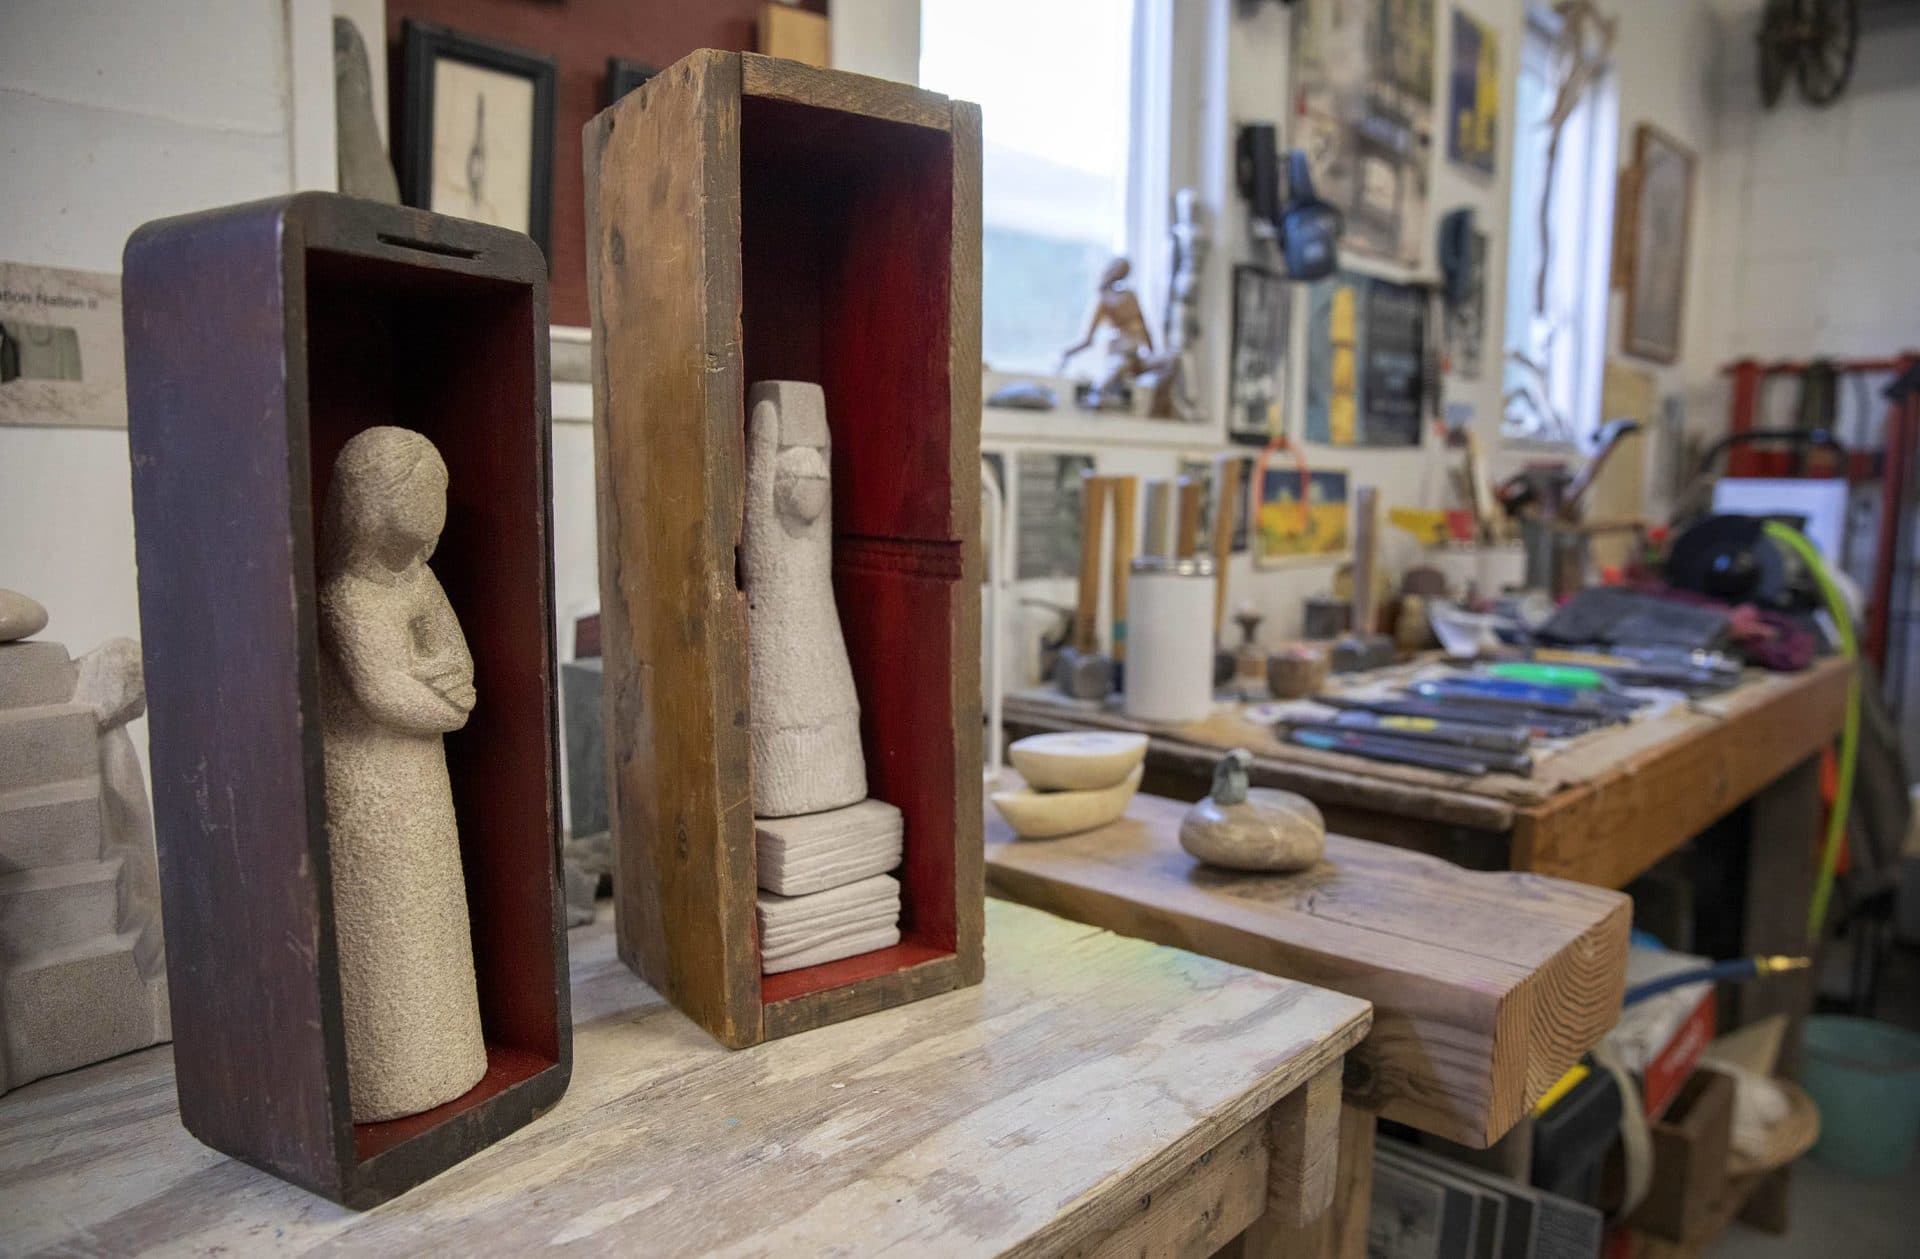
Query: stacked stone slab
{"type": "Point", "coordinates": [82, 972]}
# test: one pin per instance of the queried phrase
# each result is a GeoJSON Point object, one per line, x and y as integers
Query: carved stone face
{"type": "Point", "coordinates": [800, 485]}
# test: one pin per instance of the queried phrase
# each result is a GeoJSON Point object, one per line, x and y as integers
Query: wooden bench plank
{"type": "Point", "coordinates": [1486, 986]}
{"type": "Point", "coordinates": [1032, 1113]}
{"type": "Point", "coordinates": [1601, 811]}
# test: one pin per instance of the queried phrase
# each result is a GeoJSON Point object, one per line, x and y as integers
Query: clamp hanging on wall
{"type": "Point", "coordinates": [1306, 228]}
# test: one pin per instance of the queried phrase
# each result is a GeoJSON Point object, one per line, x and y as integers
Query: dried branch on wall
{"type": "Point", "coordinates": [1582, 52]}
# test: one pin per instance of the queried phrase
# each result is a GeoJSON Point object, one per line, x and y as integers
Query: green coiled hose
{"type": "Point", "coordinates": [1795, 541]}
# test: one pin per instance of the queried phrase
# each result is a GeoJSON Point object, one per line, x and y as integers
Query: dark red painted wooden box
{"type": "Point", "coordinates": [752, 219]}
{"type": "Point", "coordinates": [260, 338]}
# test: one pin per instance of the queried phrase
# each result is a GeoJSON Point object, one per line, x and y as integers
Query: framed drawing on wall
{"type": "Point", "coordinates": [1659, 210]}
{"type": "Point", "coordinates": [476, 133]}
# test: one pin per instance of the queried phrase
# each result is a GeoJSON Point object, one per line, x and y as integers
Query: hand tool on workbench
{"type": "Point", "coordinates": [1506, 762]}
{"type": "Point", "coordinates": [1124, 490]}
{"type": "Point", "coordinates": [1226, 512]}
{"type": "Point", "coordinates": [1226, 482]}
{"type": "Point", "coordinates": [1082, 671]}
{"type": "Point", "coordinates": [1362, 648]}
{"type": "Point", "coordinates": [1250, 659]}
{"type": "Point", "coordinates": [1375, 748]}
{"type": "Point", "coordinates": [1436, 729]}
{"type": "Point", "coordinates": [1541, 724]}
{"type": "Point", "coordinates": [1525, 694]}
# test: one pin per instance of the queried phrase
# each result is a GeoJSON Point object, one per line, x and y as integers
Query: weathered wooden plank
{"type": "Point", "coordinates": [1486, 986]}
{"type": "Point", "coordinates": [963, 382]}
{"type": "Point", "coordinates": [780, 79]}
{"type": "Point", "coordinates": [1305, 1134]}
{"type": "Point", "coordinates": [1302, 1178]}
{"type": "Point", "coordinates": [1033, 1112]}
{"type": "Point", "coordinates": [669, 470]}
{"type": "Point", "coordinates": [1649, 788]}
{"type": "Point", "coordinates": [1342, 1233]}
{"type": "Point", "coordinates": [1220, 1194]}
{"type": "Point", "coordinates": [1353, 1193]}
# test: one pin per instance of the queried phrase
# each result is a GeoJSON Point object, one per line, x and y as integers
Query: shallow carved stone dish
{"type": "Point", "coordinates": [1051, 814]}
{"type": "Point", "coordinates": [1077, 760]}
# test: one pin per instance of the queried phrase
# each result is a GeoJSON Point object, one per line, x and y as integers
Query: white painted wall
{"type": "Point", "coordinates": [1814, 229]}
{"type": "Point", "coordinates": [117, 113]}
{"type": "Point", "coordinates": [1814, 236]}
{"type": "Point", "coordinates": [876, 37]}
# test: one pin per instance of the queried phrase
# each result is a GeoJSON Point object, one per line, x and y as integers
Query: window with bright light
{"type": "Point", "coordinates": [1057, 82]}
{"type": "Point", "coordinates": [1556, 324]}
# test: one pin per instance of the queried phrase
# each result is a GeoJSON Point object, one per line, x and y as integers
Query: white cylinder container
{"type": "Point", "coordinates": [1169, 669]}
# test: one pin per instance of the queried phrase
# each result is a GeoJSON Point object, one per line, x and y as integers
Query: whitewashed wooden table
{"type": "Point", "coordinates": [1097, 1095]}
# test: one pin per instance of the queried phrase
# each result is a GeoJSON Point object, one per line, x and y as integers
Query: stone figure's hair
{"type": "Point", "coordinates": [371, 468]}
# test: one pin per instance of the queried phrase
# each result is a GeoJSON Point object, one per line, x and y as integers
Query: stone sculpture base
{"type": "Point", "coordinates": [855, 918]}
{"type": "Point", "coordinates": [77, 985]}
{"type": "Point", "coordinates": [825, 893]}
{"type": "Point", "coordinates": [817, 851]}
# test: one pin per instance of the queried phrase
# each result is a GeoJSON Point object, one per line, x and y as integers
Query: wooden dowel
{"type": "Point", "coordinates": [1093, 516]}
{"type": "Point", "coordinates": [1125, 493]}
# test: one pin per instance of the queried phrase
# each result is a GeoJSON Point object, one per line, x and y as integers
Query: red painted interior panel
{"type": "Point", "coordinates": [846, 236]}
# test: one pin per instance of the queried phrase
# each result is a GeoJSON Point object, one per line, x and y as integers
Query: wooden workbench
{"type": "Point", "coordinates": [1601, 811]}
{"type": "Point", "coordinates": [1097, 1093]}
{"type": "Point", "coordinates": [1485, 987]}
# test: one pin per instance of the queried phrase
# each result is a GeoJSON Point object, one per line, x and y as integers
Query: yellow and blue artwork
{"type": "Point", "coordinates": [1473, 105]}
{"type": "Point", "coordinates": [1301, 513]}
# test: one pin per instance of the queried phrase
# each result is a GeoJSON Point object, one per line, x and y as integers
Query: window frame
{"type": "Point", "coordinates": [1155, 116]}
{"type": "Point", "coordinates": [1581, 214]}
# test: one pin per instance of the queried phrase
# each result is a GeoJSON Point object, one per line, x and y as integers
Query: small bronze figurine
{"type": "Point", "coordinates": [1130, 350]}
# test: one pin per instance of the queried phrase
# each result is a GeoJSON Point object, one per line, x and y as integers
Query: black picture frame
{"type": "Point", "coordinates": [624, 75]}
{"type": "Point", "coordinates": [1256, 375]}
{"type": "Point", "coordinates": [422, 46]}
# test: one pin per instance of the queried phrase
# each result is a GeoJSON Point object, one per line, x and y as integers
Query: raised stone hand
{"type": "Point", "coordinates": [806, 715]}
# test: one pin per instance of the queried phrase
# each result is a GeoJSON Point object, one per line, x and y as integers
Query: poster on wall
{"type": "Point", "coordinates": [1262, 316]}
{"type": "Point", "coordinates": [1047, 520]}
{"type": "Point", "coordinates": [1473, 97]}
{"type": "Point", "coordinates": [1302, 515]}
{"type": "Point", "coordinates": [1366, 341]}
{"type": "Point", "coordinates": [1363, 110]}
{"type": "Point", "coordinates": [1392, 382]}
{"type": "Point", "coordinates": [62, 361]}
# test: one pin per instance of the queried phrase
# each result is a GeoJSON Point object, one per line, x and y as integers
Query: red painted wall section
{"type": "Point", "coordinates": [580, 35]}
